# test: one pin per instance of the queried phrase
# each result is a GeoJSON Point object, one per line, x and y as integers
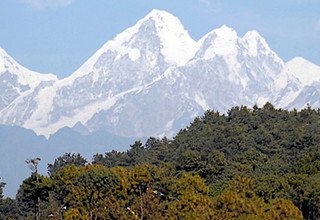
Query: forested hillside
{"type": "Point", "coordinates": [259, 163]}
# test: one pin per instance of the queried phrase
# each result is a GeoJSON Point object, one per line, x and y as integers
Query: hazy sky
{"type": "Point", "coordinates": [57, 36]}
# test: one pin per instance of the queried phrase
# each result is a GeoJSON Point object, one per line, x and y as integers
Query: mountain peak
{"type": "Point", "coordinates": [176, 44]}
{"type": "Point", "coordinates": [221, 41]}
{"type": "Point", "coordinates": [157, 31]}
{"type": "Point", "coordinates": [299, 60]}
{"type": "Point", "coordinates": [162, 20]}
{"type": "Point", "coordinates": [225, 31]}
{"type": "Point", "coordinates": [254, 42]}
{"type": "Point", "coordinates": [252, 35]}
{"type": "Point", "coordinates": [24, 75]}
{"type": "Point", "coordinates": [306, 71]}
{"type": "Point", "coordinates": [159, 14]}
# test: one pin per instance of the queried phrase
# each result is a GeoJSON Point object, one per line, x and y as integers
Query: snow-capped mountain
{"type": "Point", "coordinates": [153, 79]}
{"type": "Point", "coordinates": [309, 75]}
{"type": "Point", "coordinates": [234, 70]}
{"type": "Point", "coordinates": [131, 62]}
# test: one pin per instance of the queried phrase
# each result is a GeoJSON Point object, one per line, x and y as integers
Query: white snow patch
{"type": "Point", "coordinates": [169, 125]}
{"type": "Point", "coordinates": [168, 130]}
{"type": "Point", "coordinates": [261, 101]}
{"type": "Point", "coordinates": [201, 102]}
{"type": "Point", "coordinates": [42, 126]}
{"type": "Point", "coordinates": [82, 115]}
{"type": "Point", "coordinates": [281, 80]}
{"type": "Point", "coordinates": [134, 54]}
{"type": "Point", "coordinates": [41, 116]}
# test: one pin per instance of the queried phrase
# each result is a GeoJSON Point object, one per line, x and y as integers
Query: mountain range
{"type": "Point", "coordinates": [154, 79]}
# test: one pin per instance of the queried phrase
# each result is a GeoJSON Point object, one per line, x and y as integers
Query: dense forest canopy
{"type": "Point", "coordinates": [259, 163]}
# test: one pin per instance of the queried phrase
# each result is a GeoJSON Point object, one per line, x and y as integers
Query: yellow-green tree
{"type": "Point", "coordinates": [89, 192]}
{"type": "Point", "coordinates": [241, 202]}
{"type": "Point", "coordinates": [190, 200]}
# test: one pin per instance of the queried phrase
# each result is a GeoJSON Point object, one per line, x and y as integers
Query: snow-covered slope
{"type": "Point", "coordinates": [309, 75]}
{"type": "Point", "coordinates": [304, 70]}
{"type": "Point", "coordinates": [308, 96]}
{"type": "Point", "coordinates": [153, 79]}
{"type": "Point", "coordinates": [24, 76]}
{"type": "Point", "coordinates": [16, 80]}
{"type": "Point", "coordinates": [132, 61]}
{"type": "Point", "coordinates": [158, 37]}
{"type": "Point", "coordinates": [232, 70]}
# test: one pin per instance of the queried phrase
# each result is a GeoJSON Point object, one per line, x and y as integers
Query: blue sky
{"type": "Point", "coordinates": [57, 36]}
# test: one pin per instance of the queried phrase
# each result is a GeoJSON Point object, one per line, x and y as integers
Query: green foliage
{"type": "Point", "coordinates": [90, 190]}
{"type": "Point", "coordinates": [9, 209]}
{"type": "Point", "coordinates": [259, 163]}
{"type": "Point", "coordinates": [2, 185]}
{"type": "Point", "coordinates": [191, 199]}
{"type": "Point", "coordinates": [64, 160]}
{"type": "Point", "coordinates": [277, 148]}
{"type": "Point", "coordinates": [283, 209]}
{"type": "Point", "coordinates": [33, 191]}
{"type": "Point", "coordinates": [309, 162]}
{"type": "Point", "coordinates": [240, 201]}
{"type": "Point", "coordinates": [111, 159]}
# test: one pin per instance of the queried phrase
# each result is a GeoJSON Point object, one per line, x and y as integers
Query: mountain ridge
{"type": "Point", "coordinates": [152, 79]}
